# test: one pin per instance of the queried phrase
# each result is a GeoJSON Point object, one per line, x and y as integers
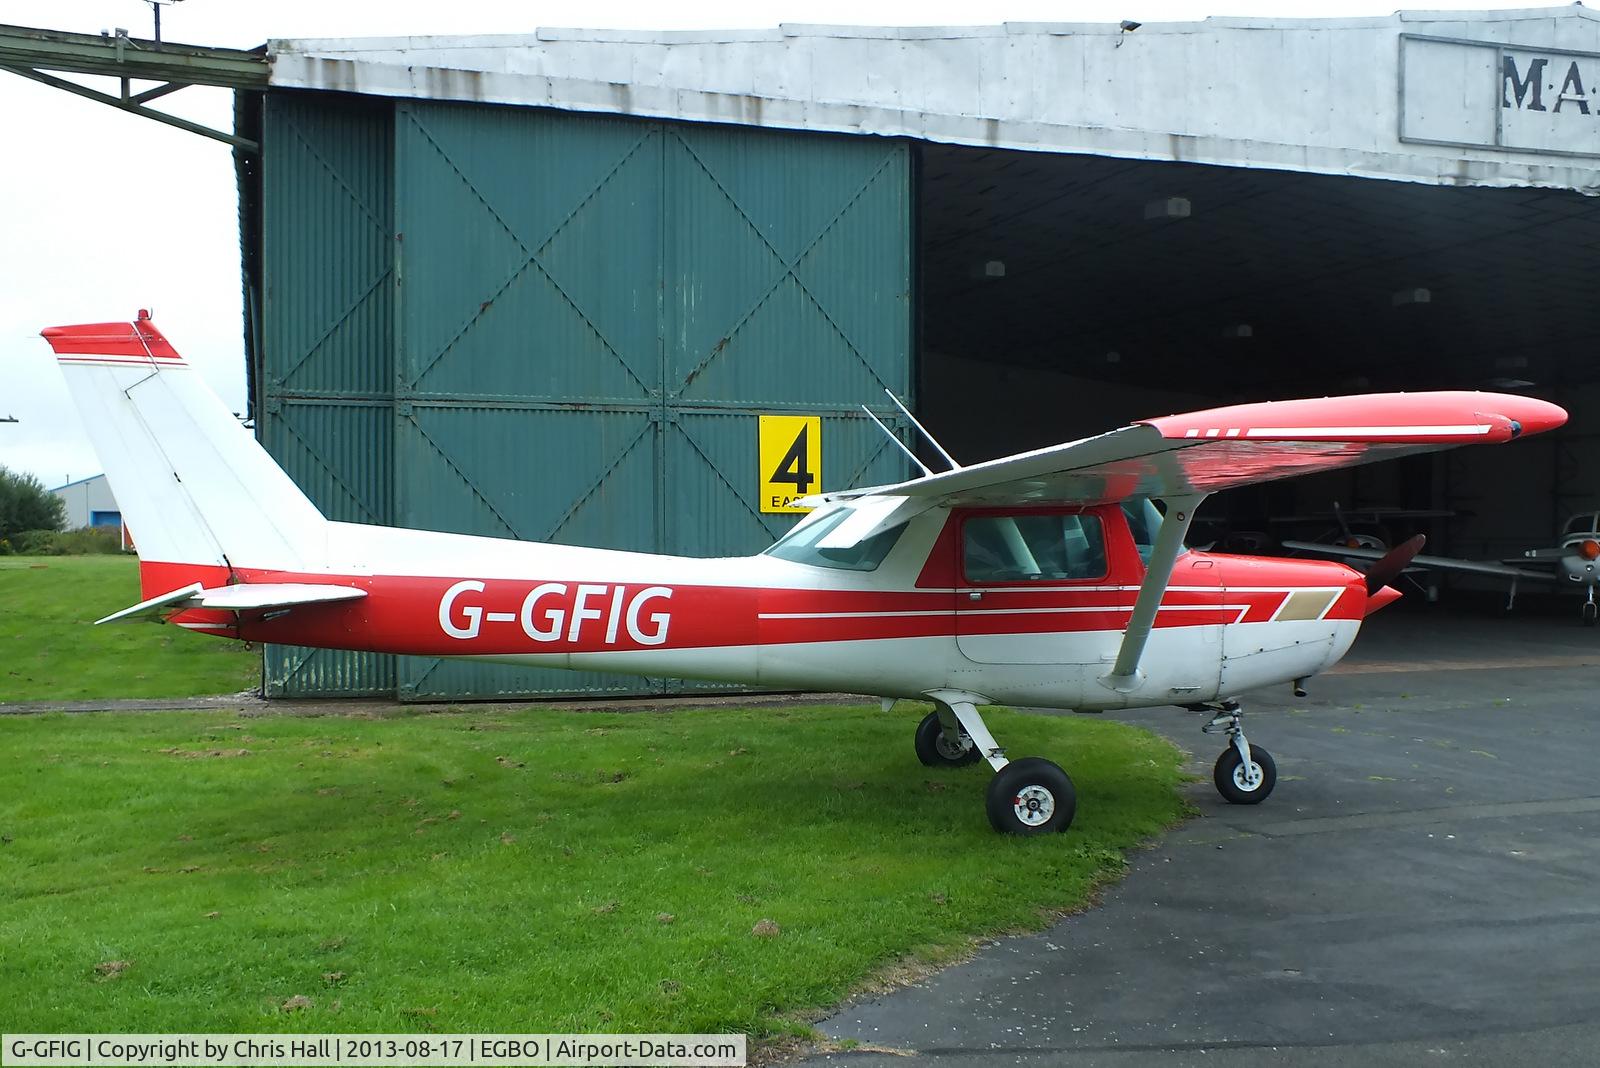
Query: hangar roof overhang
{"type": "Point", "coordinates": [1444, 98]}
{"type": "Point", "coordinates": [41, 55]}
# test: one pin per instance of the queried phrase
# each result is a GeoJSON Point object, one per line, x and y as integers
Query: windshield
{"type": "Point", "coordinates": [800, 545]}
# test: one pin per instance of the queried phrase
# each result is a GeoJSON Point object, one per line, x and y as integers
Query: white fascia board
{"type": "Point", "coordinates": [662, 37]}
{"type": "Point", "coordinates": [1457, 167]}
{"type": "Point", "coordinates": [1510, 14]}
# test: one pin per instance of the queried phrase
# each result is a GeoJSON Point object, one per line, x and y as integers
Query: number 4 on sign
{"type": "Point", "coordinates": [790, 458]}
{"type": "Point", "coordinates": [793, 467]}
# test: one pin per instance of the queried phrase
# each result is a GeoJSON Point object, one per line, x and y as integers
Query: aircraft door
{"type": "Point", "coordinates": [1196, 582]}
{"type": "Point", "coordinates": [1184, 655]}
{"type": "Point", "coordinates": [1035, 586]}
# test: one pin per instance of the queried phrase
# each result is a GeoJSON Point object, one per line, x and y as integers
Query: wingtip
{"type": "Point", "coordinates": [1443, 417]}
{"type": "Point", "coordinates": [1529, 415]}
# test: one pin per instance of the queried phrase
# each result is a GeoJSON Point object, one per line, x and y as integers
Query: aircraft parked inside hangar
{"type": "Point", "coordinates": [1572, 562]}
{"type": "Point", "coordinates": [1044, 579]}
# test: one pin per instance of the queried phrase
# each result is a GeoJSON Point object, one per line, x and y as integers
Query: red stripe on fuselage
{"type": "Point", "coordinates": [402, 614]}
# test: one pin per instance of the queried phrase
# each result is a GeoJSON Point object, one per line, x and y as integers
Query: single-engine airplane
{"type": "Point", "coordinates": [1572, 563]}
{"type": "Point", "coordinates": [1044, 579]}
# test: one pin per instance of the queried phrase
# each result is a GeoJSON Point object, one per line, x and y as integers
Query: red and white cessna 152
{"type": "Point", "coordinates": [1045, 579]}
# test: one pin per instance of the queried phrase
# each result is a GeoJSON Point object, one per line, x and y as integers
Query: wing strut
{"type": "Point", "coordinates": [1158, 572]}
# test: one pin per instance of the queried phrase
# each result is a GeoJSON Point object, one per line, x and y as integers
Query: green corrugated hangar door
{"type": "Point", "coordinates": [558, 327]}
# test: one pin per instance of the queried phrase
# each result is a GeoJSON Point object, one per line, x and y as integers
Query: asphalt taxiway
{"type": "Point", "coordinates": [1422, 887]}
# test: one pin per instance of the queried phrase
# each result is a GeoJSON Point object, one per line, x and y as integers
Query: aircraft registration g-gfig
{"type": "Point", "coordinates": [1044, 579]}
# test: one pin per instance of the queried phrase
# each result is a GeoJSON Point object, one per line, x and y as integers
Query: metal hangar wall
{"type": "Point", "coordinates": [539, 285]}
{"type": "Point", "coordinates": [527, 323]}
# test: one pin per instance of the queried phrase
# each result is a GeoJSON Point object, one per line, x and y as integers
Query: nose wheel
{"type": "Point", "coordinates": [1244, 774]}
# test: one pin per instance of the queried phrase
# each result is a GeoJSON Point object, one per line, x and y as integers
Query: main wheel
{"type": "Point", "coordinates": [1589, 610]}
{"type": "Point", "coordinates": [1239, 786]}
{"type": "Point", "coordinates": [1031, 796]}
{"type": "Point", "coordinates": [937, 751]}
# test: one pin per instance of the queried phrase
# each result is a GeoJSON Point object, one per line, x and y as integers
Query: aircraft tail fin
{"type": "Point", "coordinates": [195, 488]}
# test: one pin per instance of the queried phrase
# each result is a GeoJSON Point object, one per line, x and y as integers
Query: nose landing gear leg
{"type": "Point", "coordinates": [1244, 774]}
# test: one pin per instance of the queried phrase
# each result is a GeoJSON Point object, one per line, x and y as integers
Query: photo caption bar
{"type": "Point", "coordinates": [312, 1051]}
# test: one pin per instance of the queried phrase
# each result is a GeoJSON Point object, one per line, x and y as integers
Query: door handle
{"type": "Point", "coordinates": [975, 595]}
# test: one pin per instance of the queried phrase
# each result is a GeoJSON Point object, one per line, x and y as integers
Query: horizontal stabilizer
{"type": "Point", "coordinates": [244, 597]}
{"type": "Point", "coordinates": [254, 595]}
{"type": "Point", "coordinates": [156, 608]}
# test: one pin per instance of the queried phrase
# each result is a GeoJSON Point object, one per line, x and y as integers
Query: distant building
{"type": "Point", "coordinates": [89, 503]}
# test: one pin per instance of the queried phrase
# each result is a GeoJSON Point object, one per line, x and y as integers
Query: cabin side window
{"type": "Point", "coordinates": [1033, 548]}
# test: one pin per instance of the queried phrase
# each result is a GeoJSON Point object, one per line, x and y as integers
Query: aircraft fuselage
{"type": "Point", "coordinates": [919, 620]}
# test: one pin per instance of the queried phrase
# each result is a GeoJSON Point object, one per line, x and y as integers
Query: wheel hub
{"type": "Point", "coordinates": [1247, 776]}
{"type": "Point", "coordinates": [952, 750]}
{"type": "Point", "coordinates": [1034, 805]}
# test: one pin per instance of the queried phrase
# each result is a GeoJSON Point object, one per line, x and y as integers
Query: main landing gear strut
{"type": "Point", "coordinates": [1027, 796]}
{"type": "Point", "coordinates": [1244, 774]}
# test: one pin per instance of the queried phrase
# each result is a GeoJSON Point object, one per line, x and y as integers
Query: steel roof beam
{"type": "Point", "coordinates": [31, 52]}
{"type": "Point", "coordinates": [131, 104]}
{"type": "Point", "coordinates": [121, 56]}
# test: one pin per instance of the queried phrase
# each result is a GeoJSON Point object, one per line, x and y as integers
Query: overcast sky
{"type": "Point", "coordinates": [102, 212]}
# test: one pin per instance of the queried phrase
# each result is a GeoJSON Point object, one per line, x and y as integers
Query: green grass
{"type": "Point", "coordinates": [50, 650]}
{"type": "Point", "coordinates": [493, 871]}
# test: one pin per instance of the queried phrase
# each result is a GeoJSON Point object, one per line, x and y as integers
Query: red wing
{"type": "Point", "coordinates": [1203, 452]}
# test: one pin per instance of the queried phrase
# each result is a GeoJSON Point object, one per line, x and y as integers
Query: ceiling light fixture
{"type": "Point", "coordinates": [989, 269]}
{"type": "Point", "coordinates": [1168, 208]}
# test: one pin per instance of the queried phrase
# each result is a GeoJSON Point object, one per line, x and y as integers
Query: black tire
{"type": "Point", "coordinates": [934, 750]}
{"type": "Point", "coordinates": [1031, 796]}
{"type": "Point", "coordinates": [1230, 783]}
{"type": "Point", "coordinates": [1589, 611]}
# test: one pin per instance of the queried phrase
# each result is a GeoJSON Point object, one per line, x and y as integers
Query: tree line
{"type": "Point", "coordinates": [25, 507]}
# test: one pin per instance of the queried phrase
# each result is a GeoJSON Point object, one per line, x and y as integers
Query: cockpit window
{"type": "Point", "coordinates": [1033, 548]}
{"type": "Point", "coordinates": [800, 545]}
{"type": "Point", "coordinates": [1582, 524]}
{"type": "Point", "coordinates": [1144, 520]}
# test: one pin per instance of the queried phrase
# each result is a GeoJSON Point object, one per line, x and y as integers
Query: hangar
{"type": "Point", "coordinates": [542, 286]}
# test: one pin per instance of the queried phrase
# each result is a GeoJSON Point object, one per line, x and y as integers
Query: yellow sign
{"type": "Point", "coordinates": [791, 460]}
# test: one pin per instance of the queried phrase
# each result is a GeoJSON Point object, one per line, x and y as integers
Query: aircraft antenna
{"type": "Point", "coordinates": [890, 435]}
{"type": "Point", "coordinates": [924, 430]}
